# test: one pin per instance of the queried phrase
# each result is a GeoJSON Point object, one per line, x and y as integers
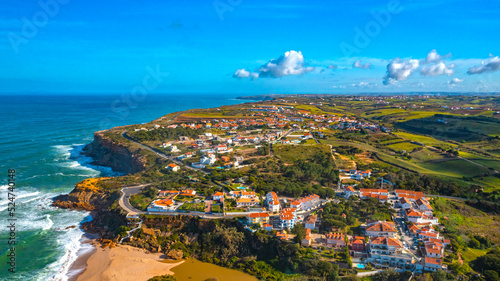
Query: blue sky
{"type": "Point", "coordinates": [249, 47]}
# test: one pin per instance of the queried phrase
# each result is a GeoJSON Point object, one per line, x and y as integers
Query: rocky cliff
{"type": "Point", "coordinates": [118, 156]}
{"type": "Point", "coordinates": [88, 195]}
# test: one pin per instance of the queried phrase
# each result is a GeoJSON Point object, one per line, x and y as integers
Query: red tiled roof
{"type": "Point", "coordinates": [258, 215]}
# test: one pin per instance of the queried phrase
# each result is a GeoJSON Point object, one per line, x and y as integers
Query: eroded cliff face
{"type": "Point", "coordinates": [84, 196]}
{"type": "Point", "coordinates": [88, 195]}
{"type": "Point", "coordinates": [118, 157]}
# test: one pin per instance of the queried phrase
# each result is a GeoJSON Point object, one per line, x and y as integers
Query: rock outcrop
{"type": "Point", "coordinates": [118, 156]}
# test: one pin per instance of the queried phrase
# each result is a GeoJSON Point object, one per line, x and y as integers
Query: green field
{"type": "Point", "coordinates": [455, 168]}
{"type": "Point", "coordinates": [292, 153]}
{"type": "Point", "coordinates": [425, 155]}
{"type": "Point", "coordinates": [494, 164]}
{"type": "Point", "coordinates": [491, 183]}
{"type": "Point", "coordinates": [467, 219]}
{"type": "Point", "coordinates": [406, 146]}
{"type": "Point", "coordinates": [419, 138]}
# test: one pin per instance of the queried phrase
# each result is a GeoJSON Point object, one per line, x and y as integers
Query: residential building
{"type": "Point", "coordinates": [411, 195]}
{"type": "Point", "coordinates": [168, 193]}
{"type": "Point", "coordinates": [348, 191]}
{"type": "Point", "coordinates": [161, 205]}
{"type": "Point", "coordinates": [307, 241]}
{"type": "Point", "coordinates": [434, 249]}
{"type": "Point", "coordinates": [258, 218]}
{"type": "Point", "coordinates": [335, 239]}
{"type": "Point", "coordinates": [433, 264]}
{"type": "Point", "coordinates": [310, 222]}
{"type": "Point", "coordinates": [287, 218]}
{"type": "Point", "coordinates": [358, 244]}
{"type": "Point", "coordinates": [218, 196]}
{"type": "Point", "coordinates": [405, 203]}
{"type": "Point", "coordinates": [173, 167]}
{"type": "Point", "coordinates": [380, 229]}
{"type": "Point", "coordinates": [387, 251]}
{"type": "Point", "coordinates": [247, 202]}
{"type": "Point", "coordinates": [419, 217]}
{"type": "Point", "coordinates": [188, 192]}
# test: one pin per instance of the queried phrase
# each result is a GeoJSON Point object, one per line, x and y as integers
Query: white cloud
{"type": "Point", "coordinates": [399, 69]}
{"type": "Point", "coordinates": [359, 64]}
{"type": "Point", "coordinates": [455, 81]}
{"type": "Point", "coordinates": [492, 65]}
{"type": "Point", "coordinates": [291, 63]}
{"type": "Point", "coordinates": [433, 56]}
{"type": "Point", "coordinates": [437, 69]}
{"type": "Point", "coordinates": [243, 73]}
{"type": "Point", "coordinates": [332, 66]}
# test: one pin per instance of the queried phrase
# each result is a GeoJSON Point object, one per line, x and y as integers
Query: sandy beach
{"type": "Point", "coordinates": [124, 263]}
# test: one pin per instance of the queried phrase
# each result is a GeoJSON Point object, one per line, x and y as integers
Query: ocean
{"type": "Point", "coordinates": [42, 137]}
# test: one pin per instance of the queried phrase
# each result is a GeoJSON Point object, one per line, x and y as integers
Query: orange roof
{"type": "Point", "coordinates": [386, 241]}
{"type": "Point", "coordinates": [433, 261]}
{"type": "Point", "coordinates": [188, 192]}
{"type": "Point", "coordinates": [350, 188]}
{"type": "Point", "coordinates": [429, 234]}
{"type": "Point", "coordinates": [258, 215]}
{"type": "Point", "coordinates": [164, 202]}
{"type": "Point", "coordinates": [335, 236]}
{"type": "Point", "coordinates": [218, 194]}
{"type": "Point", "coordinates": [358, 242]}
{"type": "Point", "coordinates": [247, 200]}
{"type": "Point", "coordinates": [381, 226]}
{"type": "Point", "coordinates": [409, 194]}
{"type": "Point", "coordinates": [413, 213]}
{"type": "Point", "coordinates": [311, 219]}
{"type": "Point", "coordinates": [172, 165]}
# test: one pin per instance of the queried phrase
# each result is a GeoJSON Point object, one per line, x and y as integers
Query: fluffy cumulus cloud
{"type": "Point", "coordinates": [399, 69]}
{"type": "Point", "coordinates": [359, 64]}
{"type": "Point", "coordinates": [493, 64]}
{"type": "Point", "coordinates": [433, 56]}
{"type": "Point", "coordinates": [436, 69]}
{"type": "Point", "coordinates": [291, 63]}
{"type": "Point", "coordinates": [332, 66]}
{"type": "Point", "coordinates": [433, 65]}
{"type": "Point", "coordinates": [243, 73]}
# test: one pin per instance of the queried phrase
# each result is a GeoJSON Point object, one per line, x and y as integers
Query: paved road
{"type": "Point", "coordinates": [125, 199]}
{"type": "Point", "coordinates": [447, 197]}
{"type": "Point", "coordinates": [162, 155]}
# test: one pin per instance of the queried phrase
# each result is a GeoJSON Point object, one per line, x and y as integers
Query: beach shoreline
{"type": "Point", "coordinates": [87, 249]}
{"type": "Point", "coordinates": [120, 262]}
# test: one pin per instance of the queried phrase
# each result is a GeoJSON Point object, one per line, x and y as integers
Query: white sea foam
{"type": "Point", "coordinates": [72, 246]}
{"type": "Point", "coordinates": [49, 224]}
{"type": "Point", "coordinates": [23, 195]}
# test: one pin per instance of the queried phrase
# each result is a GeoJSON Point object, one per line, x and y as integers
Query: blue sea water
{"type": "Point", "coordinates": [42, 137]}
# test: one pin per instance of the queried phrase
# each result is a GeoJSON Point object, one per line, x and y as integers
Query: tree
{"type": "Point", "coordinates": [491, 275]}
{"type": "Point", "coordinates": [163, 278]}
{"type": "Point", "coordinates": [474, 243]}
{"type": "Point", "coordinates": [439, 275]}
{"type": "Point", "coordinates": [388, 275]}
{"type": "Point", "coordinates": [299, 231]}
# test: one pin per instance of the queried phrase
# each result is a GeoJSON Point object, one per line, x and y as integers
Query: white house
{"type": "Point", "coordinates": [218, 196]}
{"type": "Point", "coordinates": [348, 191]}
{"type": "Point", "coordinates": [310, 222]}
{"type": "Point", "coordinates": [404, 203]}
{"type": "Point", "coordinates": [173, 167]}
{"type": "Point", "coordinates": [433, 264]}
{"type": "Point", "coordinates": [174, 148]}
